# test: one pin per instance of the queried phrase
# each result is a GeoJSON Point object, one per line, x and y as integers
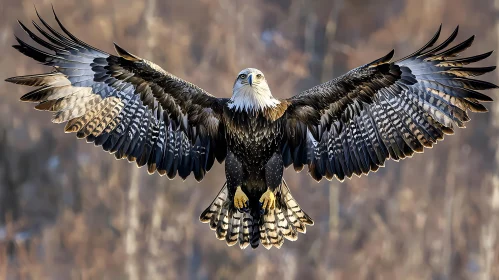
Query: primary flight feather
{"type": "Point", "coordinates": [349, 125]}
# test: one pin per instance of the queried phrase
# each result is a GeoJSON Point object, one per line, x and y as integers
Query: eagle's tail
{"type": "Point", "coordinates": [229, 224]}
{"type": "Point", "coordinates": [271, 228]}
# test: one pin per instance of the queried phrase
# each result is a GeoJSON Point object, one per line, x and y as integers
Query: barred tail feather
{"type": "Point", "coordinates": [233, 226]}
{"type": "Point", "coordinates": [210, 215]}
{"type": "Point", "coordinates": [251, 228]}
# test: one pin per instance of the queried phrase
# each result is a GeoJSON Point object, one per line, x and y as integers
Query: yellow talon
{"type": "Point", "coordinates": [240, 198]}
{"type": "Point", "coordinates": [268, 200]}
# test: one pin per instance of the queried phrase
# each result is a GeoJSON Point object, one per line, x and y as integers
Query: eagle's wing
{"type": "Point", "coordinates": [352, 124]}
{"type": "Point", "coordinates": [129, 105]}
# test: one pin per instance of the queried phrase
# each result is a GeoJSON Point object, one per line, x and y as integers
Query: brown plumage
{"type": "Point", "coordinates": [96, 94]}
{"type": "Point", "coordinates": [352, 124]}
{"type": "Point", "coordinates": [276, 113]}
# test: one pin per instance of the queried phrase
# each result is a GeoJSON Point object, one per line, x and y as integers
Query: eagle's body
{"type": "Point", "coordinates": [254, 126]}
{"type": "Point", "coordinates": [253, 139]}
{"type": "Point", "coordinates": [253, 136]}
{"type": "Point", "coordinates": [349, 125]}
{"type": "Point", "coordinates": [254, 129]}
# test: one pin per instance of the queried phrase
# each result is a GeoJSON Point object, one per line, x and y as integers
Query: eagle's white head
{"type": "Point", "coordinates": [251, 92]}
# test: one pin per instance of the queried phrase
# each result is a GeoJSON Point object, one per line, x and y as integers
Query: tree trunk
{"type": "Point", "coordinates": [489, 242]}
{"type": "Point", "coordinates": [132, 267]}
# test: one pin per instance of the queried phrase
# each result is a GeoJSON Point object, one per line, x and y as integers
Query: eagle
{"type": "Point", "coordinates": [347, 126]}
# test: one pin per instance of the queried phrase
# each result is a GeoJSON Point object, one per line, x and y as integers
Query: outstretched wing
{"type": "Point", "coordinates": [129, 105]}
{"type": "Point", "coordinates": [352, 124]}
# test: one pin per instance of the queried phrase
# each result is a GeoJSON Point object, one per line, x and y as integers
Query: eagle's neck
{"type": "Point", "coordinates": [252, 99]}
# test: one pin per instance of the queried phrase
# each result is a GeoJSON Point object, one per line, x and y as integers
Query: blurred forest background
{"type": "Point", "coordinates": [70, 211]}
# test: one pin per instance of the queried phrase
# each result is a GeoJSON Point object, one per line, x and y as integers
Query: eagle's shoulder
{"type": "Point", "coordinates": [276, 112]}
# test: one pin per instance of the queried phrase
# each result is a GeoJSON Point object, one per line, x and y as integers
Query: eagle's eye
{"type": "Point", "coordinates": [242, 76]}
{"type": "Point", "coordinates": [259, 76]}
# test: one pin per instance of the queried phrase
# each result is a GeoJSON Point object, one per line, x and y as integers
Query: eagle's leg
{"type": "Point", "coordinates": [273, 178]}
{"type": "Point", "coordinates": [234, 175]}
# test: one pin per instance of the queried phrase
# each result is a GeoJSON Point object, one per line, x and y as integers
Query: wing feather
{"type": "Point", "coordinates": [352, 124]}
{"type": "Point", "coordinates": [129, 105]}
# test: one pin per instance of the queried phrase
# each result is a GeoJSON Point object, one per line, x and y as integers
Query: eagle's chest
{"type": "Point", "coordinates": [253, 138]}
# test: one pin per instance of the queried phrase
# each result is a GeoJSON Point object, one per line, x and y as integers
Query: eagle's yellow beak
{"type": "Point", "coordinates": [250, 79]}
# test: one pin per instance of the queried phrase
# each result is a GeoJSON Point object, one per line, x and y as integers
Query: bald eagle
{"type": "Point", "coordinates": [349, 125]}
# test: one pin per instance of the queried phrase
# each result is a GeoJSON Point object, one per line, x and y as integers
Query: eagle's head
{"type": "Point", "coordinates": [251, 92]}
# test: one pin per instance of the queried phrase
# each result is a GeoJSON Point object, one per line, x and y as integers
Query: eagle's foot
{"type": "Point", "coordinates": [241, 200]}
{"type": "Point", "coordinates": [267, 201]}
